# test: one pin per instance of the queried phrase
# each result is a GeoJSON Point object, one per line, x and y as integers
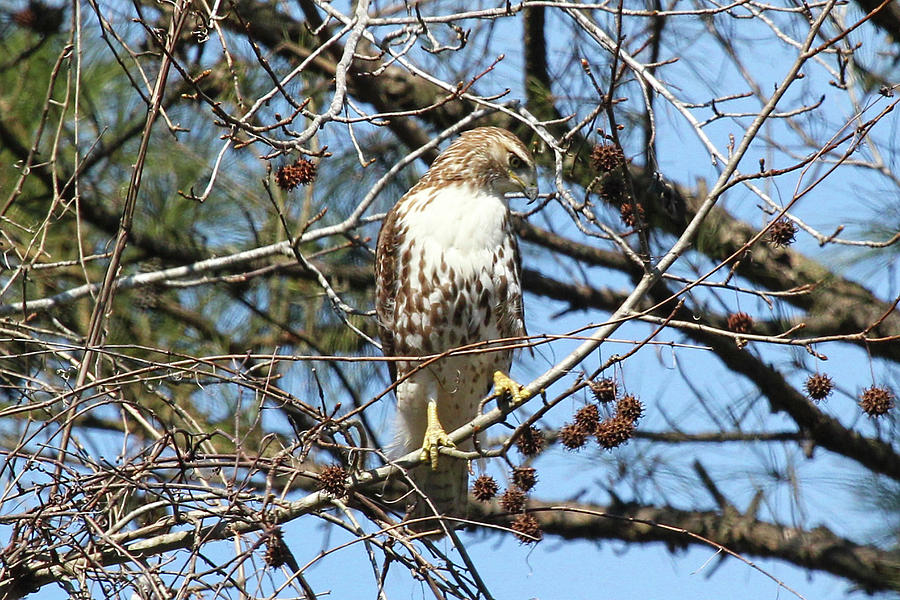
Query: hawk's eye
{"type": "Point", "coordinates": [514, 161]}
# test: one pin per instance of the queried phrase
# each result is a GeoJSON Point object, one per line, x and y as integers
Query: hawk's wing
{"type": "Point", "coordinates": [386, 284]}
{"type": "Point", "coordinates": [517, 261]}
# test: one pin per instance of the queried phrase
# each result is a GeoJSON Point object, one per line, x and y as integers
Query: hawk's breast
{"type": "Point", "coordinates": [457, 271]}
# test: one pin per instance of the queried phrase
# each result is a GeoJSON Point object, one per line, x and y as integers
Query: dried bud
{"type": "Point", "coordinates": [484, 488]}
{"type": "Point", "coordinates": [333, 479]}
{"type": "Point", "coordinates": [629, 408]}
{"type": "Point", "coordinates": [876, 401]}
{"type": "Point", "coordinates": [740, 322]}
{"type": "Point", "coordinates": [607, 157]}
{"type": "Point", "coordinates": [530, 442]}
{"type": "Point", "coordinates": [524, 478]}
{"type": "Point", "coordinates": [627, 214]}
{"type": "Point", "coordinates": [782, 233]}
{"type": "Point", "coordinates": [818, 387]}
{"type": "Point", "coordinates": [604, 390]}
{"type": "Point", "coordinates": [572, 436]}
{"type": "Point", "coordinates": [290, 176]}
{"type": "Point", "coordinates": [614, 432]}
{"type": "Point", "coordinates": [587, 417]}
{"type": "Point", "coordinates": [512, 500]}
{"type": "Point", "coordinates": [277, 551]}
{"type": "Point", "coordinates": [527, 529]}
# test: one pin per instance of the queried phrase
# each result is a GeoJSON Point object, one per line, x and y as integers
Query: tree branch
{"type": "Point", "coordinates": [872, 568]}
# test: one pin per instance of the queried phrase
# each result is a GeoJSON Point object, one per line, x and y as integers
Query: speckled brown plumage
{"type": "Point", "coordinates": [447, 273]}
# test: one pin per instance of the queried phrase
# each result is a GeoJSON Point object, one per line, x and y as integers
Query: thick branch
{"type": "Point", "coordinates": [836, 306]}
{"type": "Point", "coordinates": [820, 549]}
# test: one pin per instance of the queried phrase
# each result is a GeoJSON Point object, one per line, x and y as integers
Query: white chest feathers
{"type": "Point", "coordinates": [459, 226]}
{"type": "Point", "coordinates": [458, 280]}
{"type": "Point", "coordinates": [458, 217]}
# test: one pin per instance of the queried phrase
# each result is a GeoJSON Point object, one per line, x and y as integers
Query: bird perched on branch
{"type": "Point", "coordinates": [447, 274]}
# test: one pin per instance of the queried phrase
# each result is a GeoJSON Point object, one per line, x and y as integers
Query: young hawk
{"type": "Point", "coordinates": [447, 274]}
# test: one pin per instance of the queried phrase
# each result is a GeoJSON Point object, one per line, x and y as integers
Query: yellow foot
{"type": "Point", "coordinates": [503, 384]}
{"type": "Point", "coordinates": [435, 437]}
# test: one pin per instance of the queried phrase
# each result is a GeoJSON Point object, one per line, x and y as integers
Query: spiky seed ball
{"type": "Point", "coordinates": [818, 386]}
{"type": "Point", "coordinates": [40, 18]}
{"type": "Point", "coordinates": [614, 432]}
{"type": "Point", "coordinates": [147, 297]}
{"type": "Point", "coordinates": [629, 408]}
{"type": "Point", "coordinates": [332, 479]}
{"type": "Point", "coordinates": [587, 417]}
{"type": "Point", "coordinates": [276, 550]}
{"type": "Point", "coordinates": [527, 529]}
{"type": "Point", "coordinates": [27, 18]}
{"type": "Point", "coordinates": [613, 189]}
{"type": "Point", "coordinates": [572, 436]}
{"type": "Point", "coordinates": [300, 173]}
{"type": "Point", "coordinates": [530, 441]}
{"type": "Point", "coordinates": [604, 390]}
{"type": "Point", "coordinates": [524, 478]}
{"type": "Point", "coordinates": [606, 157]}
{"type": "Point", "coordinates": [627, 214]}
{"type": "Point", "coordinates": [513, 500]}
{"type": "Point", "coordinates": [876, 401]}
{"type": "Point", "coordinates": [782, 233]}
{"type": "Point", "coordinates": [740, 322]}
{"type": "Point", "coordinates": [484, 488]}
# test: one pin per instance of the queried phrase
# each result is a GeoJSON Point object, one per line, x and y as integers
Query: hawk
{"type": "Point", "coordinates": [447, 274]}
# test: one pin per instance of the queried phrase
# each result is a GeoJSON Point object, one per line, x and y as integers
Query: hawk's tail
{"type": "Point", "coordinates": [446, 494]}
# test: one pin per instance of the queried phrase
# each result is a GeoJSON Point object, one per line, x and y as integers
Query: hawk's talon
{"type": "Point", "coordinates": [435, 437]}
{"type": "Point", "coordinates": [503, 384]}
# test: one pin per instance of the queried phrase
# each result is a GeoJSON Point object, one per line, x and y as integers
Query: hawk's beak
{"type": "Point", "coordinates": [528, 185]}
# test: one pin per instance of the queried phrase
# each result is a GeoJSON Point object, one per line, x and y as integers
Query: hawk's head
{"type": "Point", "coordinates": [488, 157]}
